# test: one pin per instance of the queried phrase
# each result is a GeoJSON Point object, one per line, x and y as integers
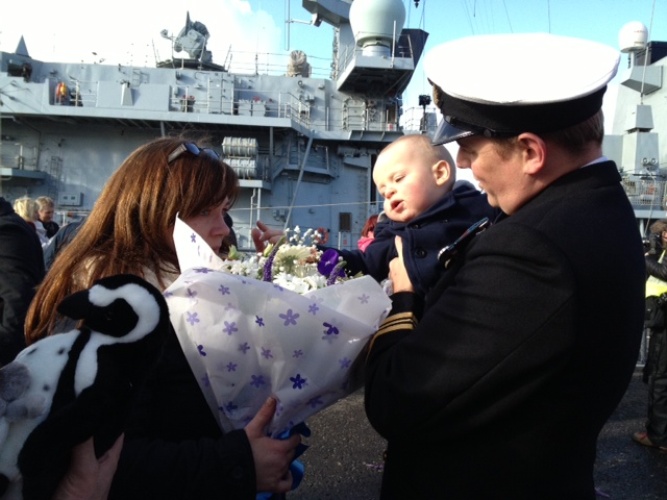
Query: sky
{"type": "Point", "coordinates": [129, 31]}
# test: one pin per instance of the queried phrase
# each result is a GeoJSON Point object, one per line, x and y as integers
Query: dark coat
{"type": "Point", "coordinates": [423, 237]}
{"type": "Point", "coordinates": [51, 228]}
{"type": "Point", "coordinates": [58, 242]}
{"type": "Point", "coordinates": [524, 349]}
{"type": "Point", "coordinates": [653, 265]}
{"type": "Point", "coordinates": [174, 447]}
{"type": "Point", "coordinates": [21, 270]}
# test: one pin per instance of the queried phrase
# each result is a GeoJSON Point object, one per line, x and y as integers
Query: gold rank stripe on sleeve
{"type": "Point", "coordinates": [399, 321]}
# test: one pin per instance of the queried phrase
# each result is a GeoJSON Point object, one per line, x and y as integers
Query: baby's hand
{"type": "Point", "coordinates": [262, 234]}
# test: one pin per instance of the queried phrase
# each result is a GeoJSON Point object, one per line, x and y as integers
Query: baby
{"type": "Point", "coordinates": [424, 205]}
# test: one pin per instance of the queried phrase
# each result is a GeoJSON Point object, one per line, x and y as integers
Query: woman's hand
{"type": "Point", "coordinates": [272, 456]}
{"type": "Point", "coordinates": [89, 478]}
{"type": "Point", "coordinates": [262, 234]}
{"type": "Point", "coordinates": [397, 272]}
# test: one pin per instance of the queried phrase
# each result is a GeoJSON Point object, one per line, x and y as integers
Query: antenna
{"type": "Point", "coordinates": [288, 22]}
{"type": "Point", "coordinates": [315, 21]}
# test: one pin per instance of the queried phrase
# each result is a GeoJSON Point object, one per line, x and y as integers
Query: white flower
{"type": "Point", "coordinates": [293, 265]}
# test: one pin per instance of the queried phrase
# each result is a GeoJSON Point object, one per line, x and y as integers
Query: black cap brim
{"type": "Point", "coordinates": [447, 132]}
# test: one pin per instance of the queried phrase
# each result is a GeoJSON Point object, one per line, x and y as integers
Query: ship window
{"type": "Point", "coordinates": [345, 222]}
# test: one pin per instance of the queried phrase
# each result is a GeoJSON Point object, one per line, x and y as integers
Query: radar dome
{"type": "Point", "coordinates": [374, 23]}
{"type": "Point", "coordinates": [633, 37]}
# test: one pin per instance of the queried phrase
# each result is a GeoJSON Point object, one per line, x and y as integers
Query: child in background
{"type": "Point", "coordinates": [367, 232]}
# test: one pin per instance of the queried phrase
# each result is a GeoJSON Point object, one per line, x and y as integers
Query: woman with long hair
{"type": "Point", "coordinates": [173, 446]}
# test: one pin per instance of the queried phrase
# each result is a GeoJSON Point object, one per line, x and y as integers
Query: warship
{"type": "Point", "coordinates": [302, 145]}
{"type": "Point", "coordinates": [638, 138]}
{"type": "Point", "coordinates": [303, 140]}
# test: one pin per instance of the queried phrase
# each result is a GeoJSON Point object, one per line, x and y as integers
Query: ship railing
{"type": "Point", "coordinates": [267, 63]}
{"type": "Point", "coordinates": [646, 191]}
{"type": "Point", "coordinates": [304, 110]}
{"type": "Point", "coordinates": [19, 156]}
{"type": "Point", "coordinates": [81, 93]}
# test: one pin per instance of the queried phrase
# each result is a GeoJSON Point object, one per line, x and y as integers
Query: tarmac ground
{"type": "Point", "coordinates": [344, 460]}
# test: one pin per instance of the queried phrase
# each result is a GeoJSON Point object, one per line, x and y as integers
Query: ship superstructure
{"type": "Point", "coordinates": [303, 146]}
{"type": "Point", "coordinates": [638, 139]}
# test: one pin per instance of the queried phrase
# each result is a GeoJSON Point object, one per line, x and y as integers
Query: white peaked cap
{"type": "Point", "coordinates": [502, 85]}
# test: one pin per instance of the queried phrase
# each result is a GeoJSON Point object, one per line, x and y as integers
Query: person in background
{"type": "Point", "coordinates": [45, 210]}
{"type": "Point", "coordinates": [367, 232]}
{"type": "Point", "coordinates": [655, 370]}
{"type": "Point", "coordinates": [173, 446]}
{"type": "Point", "coordinates": [27, 209]}
{"type": "Point", "coordinates": [62, 238]}
{"type": "Point", "coordinates": [497, 385]}
{"type": "Point", "coordinates": [21, 270]}
{"type": "Point", "coordinates": [423, 204]}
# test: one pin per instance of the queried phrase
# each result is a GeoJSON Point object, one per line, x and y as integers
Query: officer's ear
{"type": "Point", "coordinates": [533, 152]}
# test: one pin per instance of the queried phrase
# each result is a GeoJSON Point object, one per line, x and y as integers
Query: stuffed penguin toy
{"type": "Point", "coordinates": [70, 386]}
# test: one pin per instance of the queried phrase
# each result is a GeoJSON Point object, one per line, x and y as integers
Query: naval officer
{"type": "Point", "coordinates": [498, 385]}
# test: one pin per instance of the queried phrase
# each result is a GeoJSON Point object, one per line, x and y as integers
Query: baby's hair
{"type": "Point", "coordinates": [432, 153]}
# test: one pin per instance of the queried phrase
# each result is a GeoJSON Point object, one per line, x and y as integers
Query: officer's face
{"type": "Point", "coordinates": [499, 175]}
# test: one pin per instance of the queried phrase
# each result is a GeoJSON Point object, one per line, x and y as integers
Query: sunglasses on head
{"type": "Point", "coordinates": [193, 149]}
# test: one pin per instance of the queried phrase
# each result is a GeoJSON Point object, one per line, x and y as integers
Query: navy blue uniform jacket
{"type": "Point", "coordinates": [423, 237]}
{"type": "Point", "coordinates": [524, 349]}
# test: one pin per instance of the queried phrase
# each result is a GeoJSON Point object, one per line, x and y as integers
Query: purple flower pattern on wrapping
{"type": "Point", "coordinates": [290, 317]}
{"type": "Point", "coordinates": [315, 402]}
{"type": "Point", "coordinates": [193, 238]}
{"type": "Point", "coordinates": [298, 382]}
{"type": "Point", "coordinates": [280, 408]}
{"type": "Point", "coordinates": [192, 318]}
{"type": "Point", "coordinates": [230, 328]}
{"type": "Point", "coordinates": [257, 380]}
{"type": "Point", "coordinates": [330, 329]}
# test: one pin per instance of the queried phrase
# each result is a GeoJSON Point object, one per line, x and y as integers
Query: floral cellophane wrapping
{"type": "Point", "coordinates": [247, 339]}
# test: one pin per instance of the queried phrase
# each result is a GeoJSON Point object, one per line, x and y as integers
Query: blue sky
{"type": "Point", "coordinates": [128, 31]}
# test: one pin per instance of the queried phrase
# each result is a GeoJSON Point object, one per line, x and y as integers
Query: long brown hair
{"type": "Point", "coordinates": [128, 229]}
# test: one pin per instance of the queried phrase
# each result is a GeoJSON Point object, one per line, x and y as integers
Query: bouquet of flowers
{"type": "Point", "coordinates": [268, 325]}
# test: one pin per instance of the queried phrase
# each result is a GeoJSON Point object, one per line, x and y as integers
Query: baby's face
{"type": "Point", "coordinates": [406, 181]}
